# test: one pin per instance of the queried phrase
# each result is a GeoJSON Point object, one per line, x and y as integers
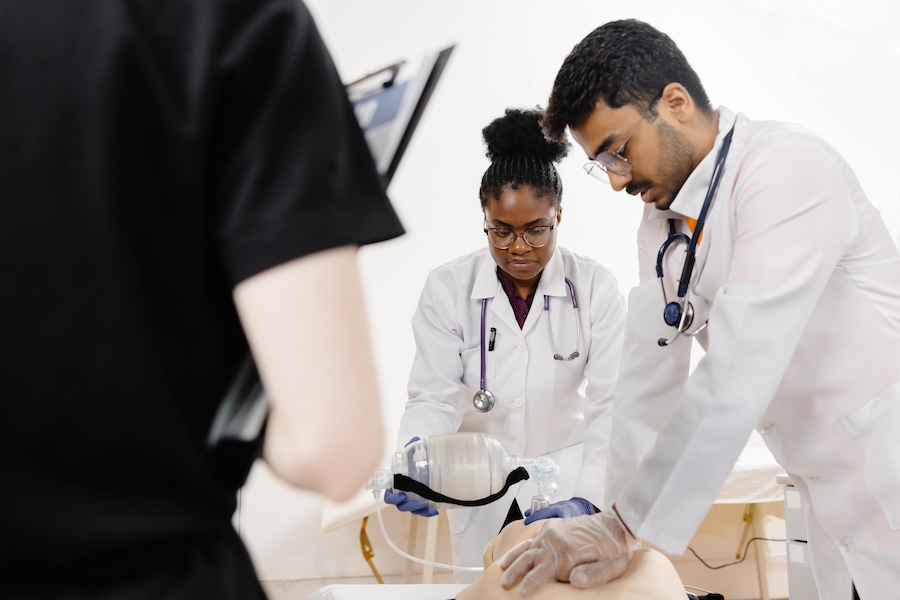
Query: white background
{"type": "Point", "coordinates": [833, 66]}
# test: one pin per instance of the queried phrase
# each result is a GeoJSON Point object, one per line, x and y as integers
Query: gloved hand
{"type": "Point", "coordinates": [586, 551]}
{"type": "Point", "coordinates": [404, 504]}
{"type": "Point", "coordinates": [561, 510]}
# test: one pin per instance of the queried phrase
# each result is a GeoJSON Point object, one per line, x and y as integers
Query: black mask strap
{"type": "Point", "coordinates": [408, 484]}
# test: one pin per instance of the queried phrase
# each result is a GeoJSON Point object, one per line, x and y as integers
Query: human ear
{"type": "Point", "coordinates": [677, 101]}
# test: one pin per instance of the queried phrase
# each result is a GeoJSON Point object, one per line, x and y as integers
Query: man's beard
{"type": "Point", "coordinates": [676, 162]}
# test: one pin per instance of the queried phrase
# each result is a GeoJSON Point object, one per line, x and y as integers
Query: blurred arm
{"type": "Point", "coordinates": [306, 325]}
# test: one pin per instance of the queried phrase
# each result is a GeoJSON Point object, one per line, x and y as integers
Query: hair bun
{"type": "Point", "coordinates": [518, 133]}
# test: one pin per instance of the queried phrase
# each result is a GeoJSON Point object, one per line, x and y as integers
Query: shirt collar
{"type": "Point", "coordinates": [689, 200]}
{"type": "Point", "coordinates": [553, 279]}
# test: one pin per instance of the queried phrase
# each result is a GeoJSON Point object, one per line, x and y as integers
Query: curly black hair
{"type": "Point", "coordinates": [521, 156]}
{"type": "Point", "coordinates": [620, 62]}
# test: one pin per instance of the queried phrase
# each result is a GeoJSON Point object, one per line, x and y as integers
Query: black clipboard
{"type": "Point", "coordinates": [388, 104]}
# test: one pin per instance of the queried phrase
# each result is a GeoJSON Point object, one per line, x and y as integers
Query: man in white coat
{"type": "Point", "coordinates": [793, 292]}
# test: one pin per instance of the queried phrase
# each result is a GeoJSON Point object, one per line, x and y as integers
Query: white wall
{"type": "Point", "coordinates": [830, 65]}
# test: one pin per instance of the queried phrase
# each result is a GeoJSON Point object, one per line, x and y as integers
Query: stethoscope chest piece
{"type": "Point", "coordinates": [680, 314]}
{"type": "Point", "coordinates": [672, 315]}
{"type": "Point", "coordinates": [483, 400]}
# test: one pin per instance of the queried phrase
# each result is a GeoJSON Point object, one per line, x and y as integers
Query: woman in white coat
{"type": "Point", "coordinates": [552, 330]}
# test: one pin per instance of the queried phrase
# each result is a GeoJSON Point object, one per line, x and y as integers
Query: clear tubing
{"type": "Point", "coordinates": [409, 556]}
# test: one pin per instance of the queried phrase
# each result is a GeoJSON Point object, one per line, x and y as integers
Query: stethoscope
{"type": "Point", "coordinates": [484, 399]}
{"type": "Point", "coordinates": [680, 312]}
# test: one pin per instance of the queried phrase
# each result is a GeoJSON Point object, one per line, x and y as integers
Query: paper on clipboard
{"type": "Point", "coordinates": [242, 412]}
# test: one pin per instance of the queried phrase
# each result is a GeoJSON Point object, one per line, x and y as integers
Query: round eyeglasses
{"type": "Point", "coordinates": [613, 162]}
{"type": "Point", "coordinates": [502, 238]}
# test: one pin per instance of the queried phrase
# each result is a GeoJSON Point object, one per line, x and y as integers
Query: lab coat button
{"type": "Point", "coordinates": [765, 429]}
{"type": "Point", "coordinates": [518, 402]}
{"type": "Point", "coordinates": [809, 478]}
{"type": "Point", "coordinates": [520, 345]}
{"type": "Point", "coordinates": [845, 545]}
{"type": "Point", "coordinates": [517, 442]}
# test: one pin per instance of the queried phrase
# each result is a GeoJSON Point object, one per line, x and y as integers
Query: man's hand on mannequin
{"type": "Point", "coordinates": [586, 551]}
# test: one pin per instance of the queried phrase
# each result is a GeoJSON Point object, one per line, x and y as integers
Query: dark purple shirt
{"type": "Point", "coordinates": [520, 305]}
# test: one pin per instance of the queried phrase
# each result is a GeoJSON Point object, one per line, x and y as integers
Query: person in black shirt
{"type": "Point", "coordinates": [181, 182]}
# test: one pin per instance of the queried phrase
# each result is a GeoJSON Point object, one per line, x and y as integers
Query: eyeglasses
{"type": "Point", "coordinates": [613, 162]}
{"type": "Point", "coordinates": [502, 238]}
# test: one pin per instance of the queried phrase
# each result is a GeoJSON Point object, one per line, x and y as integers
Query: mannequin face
{"type": "Point", "coordinates": [517, 210]}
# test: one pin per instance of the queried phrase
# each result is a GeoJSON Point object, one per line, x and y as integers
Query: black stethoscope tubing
{"type": "Point", "coordinates": [679, 313]}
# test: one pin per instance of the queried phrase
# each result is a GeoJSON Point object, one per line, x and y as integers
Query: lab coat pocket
{"type": "Point", "coordinates": [472, 369]}
{"type": "Point", "coordinates": [874, 428]}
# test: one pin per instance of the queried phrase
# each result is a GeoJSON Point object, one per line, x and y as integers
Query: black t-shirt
{"type": "Point", "coordinates": [152, 155]}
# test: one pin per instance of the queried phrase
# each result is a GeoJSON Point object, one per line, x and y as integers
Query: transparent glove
{"type": "Point", "coordinates": [564, 509]}
{"type": "Point", "coordinates": [404, 504]}
{"type": "Point", "coordinates": [586, 551]}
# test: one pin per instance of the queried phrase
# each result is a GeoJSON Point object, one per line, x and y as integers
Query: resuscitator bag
{"type": "Point", "coordinates": [464, 469]}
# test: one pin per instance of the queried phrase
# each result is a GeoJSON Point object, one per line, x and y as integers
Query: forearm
{"type": "Point", "coordinates": [435, 387]}
{"type": "Point", "coordinates": [307, 328]}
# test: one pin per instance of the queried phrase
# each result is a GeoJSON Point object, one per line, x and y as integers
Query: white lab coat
{"type": "Point", "coordinates": [800, 282]}
{"type": "Point", "coordinates": [543, 405]}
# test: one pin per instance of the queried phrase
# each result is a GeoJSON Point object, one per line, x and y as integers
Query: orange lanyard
{"type": "Point", "coordinates": [693, 223]}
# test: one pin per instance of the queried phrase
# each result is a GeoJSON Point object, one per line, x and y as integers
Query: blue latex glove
{"type": "Point", "coordinates": [564, 509]}
{"type": "Point", "coordinates": [404, 504]}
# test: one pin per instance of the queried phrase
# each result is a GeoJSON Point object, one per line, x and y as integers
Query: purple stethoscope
{"type": "Point", "coordinates": [484, 399]}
